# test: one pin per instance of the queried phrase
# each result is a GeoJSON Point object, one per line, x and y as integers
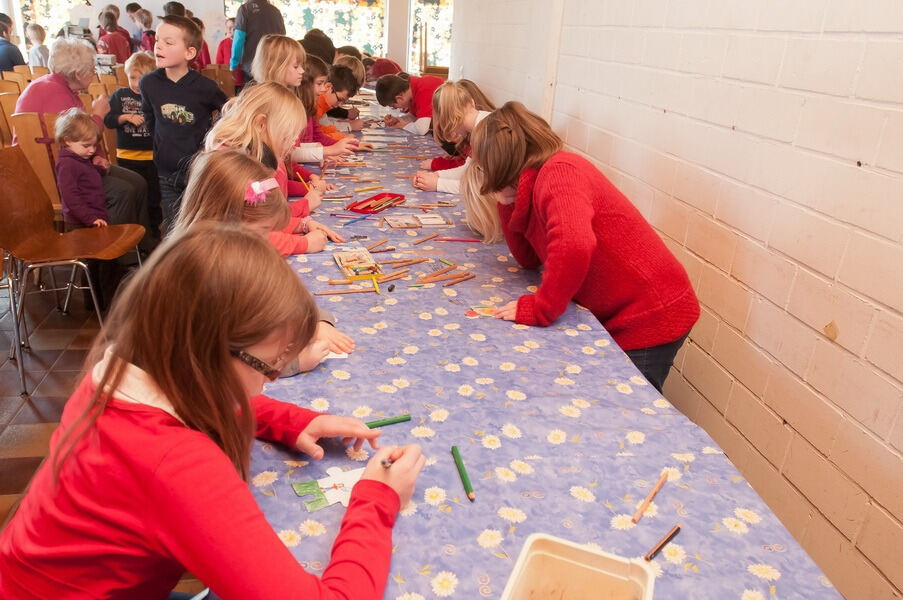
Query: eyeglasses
{"type": "Point", "coordinates": [258, 365]}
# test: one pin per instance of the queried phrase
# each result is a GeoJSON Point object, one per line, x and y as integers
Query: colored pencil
{"type": "Point", "coordinates": [426, 239]}
{"type": "Point", "coordinates": [331, 292]}
{"type": "Point", "coordinates": [448, 262]}
{"type": "Point", "coordinates": [662, 542]}
{"type": "Point", "coordinates": [455, 277]}
{"type": "Point", "coordinates": [388, 421]}
{"type": "Point", "coordinates": [339, 282]}
{"type": "Point", "coordinates": [346, 223]}
{"type": "Point", "coordinates": [367, 189]}
{"type": "Point", "coordinates": [462, 472]}
{"type": "Point", "coordinates": [377, 244]}
{"type": "Point", "coordinates": [639, 512]}
{"type": "Point", "coordinates": [338, 197]}
{"type": "Point", "coordinates": [448, 239]}
{"type": "Point", "coordinates": [304, 183]}
{"type": "Point", "coordinates": [386, 249]}
{"type": "Point", "coordinates": [413, 156]}
{"type": "Point", "coordinates": [459, 280]}
{"type": "Point", "coordinates": [428, 278]}
{"type": "Point", "coordinates": [414, 261]}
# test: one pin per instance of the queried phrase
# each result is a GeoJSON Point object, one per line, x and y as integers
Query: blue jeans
{"type": "Point", "coordinates": [655, 362]}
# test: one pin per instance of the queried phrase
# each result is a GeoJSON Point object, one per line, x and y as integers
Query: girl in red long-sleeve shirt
{"type": "Point", "coordinates": [558, 211]}
{"type": "Point", "coordinates": [148, 471]}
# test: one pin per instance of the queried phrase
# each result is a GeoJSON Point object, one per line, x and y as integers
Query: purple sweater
{"type": "Point", "coordinates": [81, 189]}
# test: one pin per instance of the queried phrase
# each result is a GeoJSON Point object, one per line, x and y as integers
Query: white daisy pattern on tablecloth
{"type": "Point", "coordinates": [512, 515]}
{"type": "Point", "coordinates": [674, 553]}
{"type": "Point", "coordinates": [557, 436]}
{"type": "Point", "coordinates": [311, 528]}
{"type": "Point", "coordinates": [444, 584]}
{"type": "Point", "coordinates": [763, 571]}
{"type": "Point", "coordinates": [489, 538]}
{"type": "Point", "coordinates": [290, 537]}
{"type": "Point", "coordinates": [745, 514]}
{"type": "Point", "coordinates": [621, 522]}
{"type": "Point", "coordinates": [583, 494]}
{"type": "Point", "coordinates": [434, 496]}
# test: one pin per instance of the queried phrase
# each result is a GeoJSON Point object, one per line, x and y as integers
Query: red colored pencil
{"type": "Point", "coordinates": [447, 239]}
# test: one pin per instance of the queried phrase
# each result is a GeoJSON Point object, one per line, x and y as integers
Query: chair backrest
{"type": "Point", "coordinates": [37, 147]}
{"type": "Point", "coordinates": [110, 81]}
{"type": "Point", "coordinates": [9, 86]}
{"type": "Point", "coordinates": [96, 89]}
{"type": "Point", "coordinates": [39, 72]}
{"type": "Point", "coordinates": [226, 83]}
{"type": "Point", "coordinates": [17, 77]}
{"type": "Point", "coordinates": [121, 78]}
{"type": "Point", "coordinates": [7, 108]}
{"type": "Point", "coordinates": [26, 209]}
{"type": "Point", "coordinates": [23, 70]}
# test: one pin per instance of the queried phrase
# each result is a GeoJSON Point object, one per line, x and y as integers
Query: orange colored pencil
{"type": "Point", "coordinates": [639, 512]}
{"type": "Point", "coordinates": [426, 239]}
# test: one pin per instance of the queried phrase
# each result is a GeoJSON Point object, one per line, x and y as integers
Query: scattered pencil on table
{"type": "Point", "coordinates": [662, 542]}
{"type": "Point", "coordinates": [368, 188]}
{"type": "Point", "coordinates": [386, 249]}
{"type": "Point", "coordinates": [404, 177]}
{"type": "Point", "coordinates": [332, 292]}
{"type": "Point", "coordinates": [377, 244]}
{"type": "Point", "coordinates": [639, 511]}
{"type": "Point", "coordinates": [458, 280]}
{"type": "Point", "coordinates": [448, 262]}
{"type": "Point", "coordinates": [416, 285]}
{"type": "Point", "coordinates": [412, 156]}
{"type": "Point", "coordinates": [388, 421]}
{"type": "Point", "coordinates": [338, 197]}
{"type": "Point", "coordinates": [432, 276]}
{"type": "Point", "coordinates": [450, 239]}
{"type": "Point", "coordinates": [346, 223]}
{"type": "Point", "coordinates": [459, 462]}
{"type": "Point", "coordinates": [426, 239]}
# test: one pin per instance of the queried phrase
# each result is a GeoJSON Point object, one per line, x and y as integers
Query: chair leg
{"type": "Point", "coordinates": [16, 350]}
{"type": "Point", "coordinates": [56, 296]}
{"type": "Point", "coordinates": [91, 289]}
{"type": "Point", "coordinates": [138, 254]}
{"type": "Point", "coordinates": [69, 290]}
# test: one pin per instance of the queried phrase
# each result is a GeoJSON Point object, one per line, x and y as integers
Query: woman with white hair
{"type": "Point", "coordinates": [71, 71]}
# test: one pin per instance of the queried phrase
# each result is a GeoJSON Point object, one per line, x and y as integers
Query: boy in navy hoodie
{"type": "Point", "coordinates": [178, 105]}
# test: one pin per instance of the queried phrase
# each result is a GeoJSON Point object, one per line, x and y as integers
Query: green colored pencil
{"type": "Point", "coordinates": [463, 473]}
{"type": "Point", "coordinates": [389, 421]}
{"type": "Point", "coordinates": [448, 262]}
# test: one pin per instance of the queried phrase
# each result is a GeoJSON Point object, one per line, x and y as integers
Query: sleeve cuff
{"type": "Point", "coordinates": [526, 310]}
{"type": "Point", "coordinates": [380, 494]}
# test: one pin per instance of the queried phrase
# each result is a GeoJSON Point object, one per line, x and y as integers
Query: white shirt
{"type": "Point", "coordinates": [450, 179]}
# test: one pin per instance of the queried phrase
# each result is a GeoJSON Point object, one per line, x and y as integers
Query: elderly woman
{"type": "Point", "coordinates": [71, 71]}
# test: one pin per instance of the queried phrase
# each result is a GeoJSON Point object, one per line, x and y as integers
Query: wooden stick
{"type": "Point", "coordinates": [394, 276]}
{"type": "Point", "coordinates": [662, 542]}
{"type": "Point", "coordinates": [426, 278]}
{"type": "Point", "coordinates": [459, 280]}
{"type": "Point", "coordinates": [386, 249]}
{"type": "Point", "coordinates": [377, 244]}
{"type": "Point", "coordinates": [368, 188]}
{"type": "Point", "coordinates": [426, 239]}
{"type": "Point", "coordinates": [413, 156]}
{"type": "Point", "coordinates": [448, 277]}
{"type": "Point", "coordinates": [639, 512]}
{"type": "Point", "coordinates": [415, 261]}
{"type": "Point", "coordinates": [331, 292]}
{"type": "Point", "coordinates": [393, 261]}
{"type": "Point", "coordinates": [339, 282]}
{"type": "Point", "coordinates": [338, 197]}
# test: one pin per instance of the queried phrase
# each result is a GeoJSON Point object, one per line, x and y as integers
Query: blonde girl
{"type": "Point", "coordinates": [229, 186]}
{"type": "Point", "coordinates": [264, 121]}
{"type": "Point", "coordinates": [455, 114]}
{"type": "Point", "coordinates": [482, 215]}
{"type": "Point", "coordinates": [171, 399]}
{"type": "Point", "coordinates": [558, 211]}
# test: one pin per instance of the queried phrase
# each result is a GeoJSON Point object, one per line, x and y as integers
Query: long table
{"type": "Point", "coordinates": [559, 431]}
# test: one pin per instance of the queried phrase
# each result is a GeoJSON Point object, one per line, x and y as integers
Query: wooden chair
{"type": "Point", "coordinates": [226, 83]}
{"type": "Point", "coordinates": [17, 77]}
{"type": "Point", "coordinates": [16, 353]}
{"type": "Point", "coordinates": [27, 232]}
{"type": "Point", "coordinates": [7, 108]}
{"type": "Point", "coordinates": [39, 72]}
{"type": "Point", "coordinates": [122, 79]}
{"type": "Point", "coordinates": [95, 90]}
{"type": "Point", "coordinates": [24, 71]}
{"type": "Point", "coordinates": [110, 82]}
{"type": "Point", "coordinates": [38, 148]}
{"type": "Point", "coordinates": [9, 86]}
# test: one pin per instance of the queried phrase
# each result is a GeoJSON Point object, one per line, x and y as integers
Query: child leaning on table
{"type": "Point", "coordinates": [150, 465]}
{"type": "Point", "coordinates": [231, 187]}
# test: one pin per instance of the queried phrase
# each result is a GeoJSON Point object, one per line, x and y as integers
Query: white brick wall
{"type": "Point", "coordinates": [763, 139]}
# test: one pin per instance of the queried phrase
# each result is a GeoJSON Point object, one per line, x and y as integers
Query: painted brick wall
{"type": "Point", "coordinates": [763, 139]}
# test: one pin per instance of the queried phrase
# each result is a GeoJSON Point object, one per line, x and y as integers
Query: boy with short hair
{"type": "Point", "coordinates": [39, 54]}
{"type": "Point", "coordinates": [9, 53]}
{"type": "Point", "coordinates": [413, 95]}
{"type": "Point", "coordinates": [178, 105]}
{"type": "Point", "coordinates": [342, 84]}
{"type": "Point", "coordinates": [347, 51]}
{"type": "Point", "coordinates": [134, 142]}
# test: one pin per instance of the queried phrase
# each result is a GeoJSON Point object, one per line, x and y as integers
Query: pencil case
{"type": "Point", "coordinates": [375, 204]}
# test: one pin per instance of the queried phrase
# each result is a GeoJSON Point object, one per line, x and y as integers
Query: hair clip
{"type": "Point", "coordinates": [257, 190]}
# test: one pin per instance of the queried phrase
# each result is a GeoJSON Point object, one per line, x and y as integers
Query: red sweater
{"type": "Point", "coordinates": [224, 55]}
{"type": "Point", "coordinates": [313, 133]}
{"type": "Point", "coordinates": [422, 89]}
{"type": "Point", "coordinates": [597, 250]}
{"type": "Point", "coordinates": [203, 57]}
{"type": "Point", "coordinates": [114, 43]}
{"type": "Point", "coordinates": [143, 498]}
{"type": "Point", "coordinates": [443, 163]}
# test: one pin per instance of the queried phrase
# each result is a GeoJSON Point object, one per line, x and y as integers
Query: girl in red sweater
{"type": "Point", "coordinates": [558, 211]}
{"type": "Point", "coordinates": [148, 471]}
{"type": "Point", "coordinates": [218, 190]}
{"type": "Point", "coordinates": [265, 120]}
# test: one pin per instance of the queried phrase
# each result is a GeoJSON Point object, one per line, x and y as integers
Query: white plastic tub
{"type": "Point", "coordinates": [551, 568]}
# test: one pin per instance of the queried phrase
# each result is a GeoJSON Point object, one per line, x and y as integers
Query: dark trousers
{"type": "Point", "coordinates": [655, 362]}
{"type": "Point", "coordinates": [148, 172]}
{"type": "Point", "coordinates": [126, 195]}
{"type": "Point", "coordinates": [171, 189]}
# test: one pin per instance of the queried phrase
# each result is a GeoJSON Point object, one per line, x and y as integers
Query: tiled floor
{"type": "Point", "coordinates": [59, 345]}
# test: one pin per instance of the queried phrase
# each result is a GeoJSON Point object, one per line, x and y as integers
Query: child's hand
{"type": "Point", "coordinates": [313, 355]}
{"type": "Point", "coordinates": [314, 198]}
{"type": "Point", "coordinates": [402, 475]}
{"type": "Point", "coordinates": [99, 223]}
{"type": "Point", "coordinates": [507, 312]}
{"type": "Point", "coordinates": [319, 227]}
{"type": "Point", "coordinates": [100, 106]}
{"type": "Point", "coordinates": [365, 146]}
{"type": "Point", "coordinates": [100, 161]}
{"type": "Point", "coordinates": [316, 241]}
{"type": "Point", "coordinates": [343, 147]}
{"type": "Point", "coordinates": [353, 113]}
{"type": "Point", "coordinates": [426, 181]}
{"type": "Point", "coordinates": [338, 341]}
{"type": "Point", "coordinates": [356, 124]}
{"type": "Point", "coordinates": [334, 426]}
{"type": "Point", "coordinates": [136, 120]}
{"type": "Point", "coordinates": [427, 165]}
{"type": "Point", "coordinates": [391, 121]}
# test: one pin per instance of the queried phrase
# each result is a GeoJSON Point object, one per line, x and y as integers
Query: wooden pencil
{"type": "Point", "coordinates": [394, 276]}
{"type": "Point", "coordinates": [412, 156]}
{"type": "Point", "coordinates": [459, 280]}
{"type": "Point", "coordinates": [332, 292]}
{"type": "Point", "coordinates": [662, 542]}
{"type": "Point", "coordinates": [426, 239]}
{"type": "Point", "coordinates": [393, 261]}
{"type": "Point", "coordinates": [386, 249]}
{"type": "Point", "coordinates": [377, 244]}
{"type": "Point", "coordinates": [426, 278]}
{"type": "Point", "coordinates": [339, 282]}
{"type": "Point", "coordinates": [413, 261]}
{"type": "Point", "coordinates": [639, 512]}
{"type": "Point", "coordinates": [449, 277]}
{"type": "Point", "coordinates": [368, 188]}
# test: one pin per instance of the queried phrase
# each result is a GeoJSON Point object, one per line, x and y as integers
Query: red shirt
{"type": "Point", "coordinates": [114, 43]}
{"type": "Point", "coordinates": [597, 250]}
{"type": "Point", "coordinates": [422, 89]}
{"type": "Point", "coordinates": [224, 55]}
{"type": "Point", "coordinates": [148, 40]}
{"type": "Point", "coordinates": [203, 57]}
{"type": "Point", "coordinates": [143, 498]}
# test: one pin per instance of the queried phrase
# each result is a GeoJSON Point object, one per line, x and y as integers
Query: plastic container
{"type": "Point", "coordinates": [552, 568]}
{"type": "Point", "coordinates": [361, 206]}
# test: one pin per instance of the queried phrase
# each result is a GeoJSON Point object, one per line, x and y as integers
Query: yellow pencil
{"type": "Point", "coordinates": [367, 189]}
{"type": "Point", "coordinates": [304, 183]}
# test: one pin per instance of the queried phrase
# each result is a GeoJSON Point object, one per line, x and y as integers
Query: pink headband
{"type": "Point", "coordinates": [257, 190]}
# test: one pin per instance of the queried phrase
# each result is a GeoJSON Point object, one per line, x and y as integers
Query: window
{"type": "Point", "coordinates": [431, 24]}
{"type": "Point", "coordinates": [52, 15]}
{"type": "Point", "coordinates": [360, 23]}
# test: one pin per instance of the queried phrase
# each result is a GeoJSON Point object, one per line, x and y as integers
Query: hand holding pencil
{"type": "Point", "coordinates": [405, 463]}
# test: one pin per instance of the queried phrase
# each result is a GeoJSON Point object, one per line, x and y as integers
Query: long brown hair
{"type": "Point", "coordinates": [216, 192]}
{"type": "Point", "coordinates": [508, 141]}
{"type": "Point", "coordinates": [205, 292]}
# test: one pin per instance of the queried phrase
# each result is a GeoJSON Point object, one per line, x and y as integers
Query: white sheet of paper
{"type": "Point", "coordinates": [336, 355]}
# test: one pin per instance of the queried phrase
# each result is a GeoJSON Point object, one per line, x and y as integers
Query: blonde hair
{"type": "Point", "coordinates": [270, 103]}
{"type": "Point", "coordinates": [356, 66]}
{"type": "Point", "coordinates": [37, 32]}
{"type": "Point", "coordinates": [480, 100]}
{"type": "Point", "coordinates": [482, 209]}
{"type": "Point", "coordinates": [145, 18]}
{"type": "Point", "coordinates": [508, 141]}
{"type": "Point", "coordinates": [450, 103]}
{"type": "Point", "coordinates": [71, 57]}
{"type": "Point", "coordinates": [216, 192]}
{"type": "Point", "coordinates": [140, 63]}
{"type": "Point", "coordinates": [184, 336]}
{"type": "Point", "coordinates": [75, 125]}
{"type": "Point", "coordinates": [275, 54]}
